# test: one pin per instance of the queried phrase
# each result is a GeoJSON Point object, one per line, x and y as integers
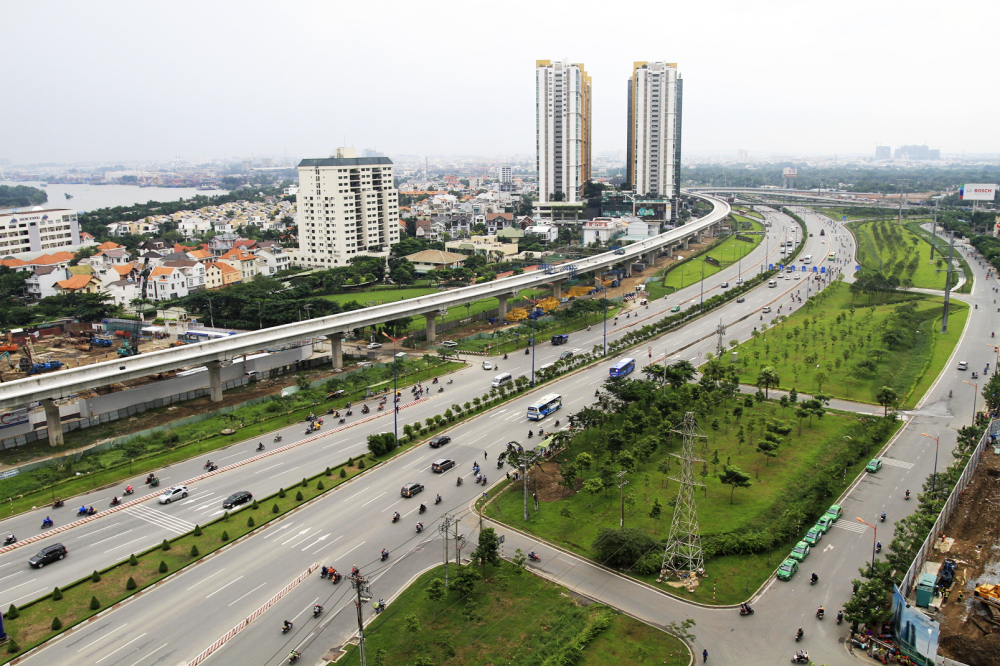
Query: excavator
{"type": "Point", "coordinates": [990, 594]}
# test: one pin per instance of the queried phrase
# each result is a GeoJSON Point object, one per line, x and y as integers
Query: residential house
{"type": "Point", "coordinates": [435, 260]}
{"type": "Point", "coordinates": [544, 232]}
{"type": "Point", "coordinates": [602, 229]}
{"type": "Point", "coordinates": [157, 245]}
{"type": "Point", "coordinates": [223, 226]}
{"type": "Point", "coordinates": [241, 260]}
{"type": "Point", "coordinates": [222, 243]}
{"type": "Point", "coordinates": [80, 284]}
{"type": "Point", "coordinates": [497, 221]}
{"type": "Point", "coordinates": [193, 271]}
{"type": "Point", "coordinates": [165, 283]}
{"type": "Point", "coordinates": [193, 226]}
{"type": "Point", "coordinates": [203, 256]}
{"type": "Point", "coordinates": [220, 274]}
{"type": "Point", "coordinates": [486, 246]}
{"type": "Point", "coordinates": [123, 292]}
{"type": "Point", "coordinates": [54, 259]}
{"type": "Point", "coordinates": [273, 259]}
{"type": "Point", "coordinates": [42, 281]}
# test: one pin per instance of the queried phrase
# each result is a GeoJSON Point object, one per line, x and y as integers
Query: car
{"type": "Point", "coordinates": [449, 343]}
{"type": "Point", "coordinates": [741, 300]}
{"type": "Point", "coordinates": [411, 489]}
{"type": "Point", "coordinates": [962, 365]}
{"type": "Point", "coordinates": [797, 277]}
{"type": "Point", "coordinates": [440, 440]}
{"type": "Point", "coordinates": [835, 512]}
{"type": "Point", "coordinates": [48, 555]}
{"type": "Point", "coordinates": [824, 523]}
{"type": "Point", "coordinates": [725, 285]}
{"type": "Point", "coordinates": [739, 281]}
{"type": "Point", "coordinates": [170, 494]}
{"type": "Point", "coordinates": [487, 365]}
{"type": "Point", "coordinates": [442, 465]}
{"type": "Point", "coordinates": [787, 569]}
{"type": "Point", "coordinates": [676, 308]}
{"type": "Point", "coordinates": [813, 535]}
{"type": "Point", "coordinates": [766, 308]}
{"type": "Point", "coordinates": [800, 552]}
{"type": "Point", "coordinates": [374, 345]}
{"type": "Point", "coordinates": [874, 466]}
{"type": "Point", "coordinates": [566, 354]}
{"type": "Point", "coordinates": [236, 499]}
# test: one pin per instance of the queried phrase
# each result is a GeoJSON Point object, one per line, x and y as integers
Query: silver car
{"type": "Point", "coordinates": [175, 493]}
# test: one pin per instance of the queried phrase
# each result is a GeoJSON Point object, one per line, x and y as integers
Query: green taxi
{"type": "Point", "coordinates": [787, 569]}
{"type": "Point", "coordinates": [835, 512]}
{"type": "Point", "coordinates": [800, 552]}
{"type": "Point", "coordinates": [813, 536]}
{"type": "Point", "coordinates": [874, 466]}
{"type": "Point", "coordinates": [824, 523]}
{"type": "Point", "coordinates": [676, 308]}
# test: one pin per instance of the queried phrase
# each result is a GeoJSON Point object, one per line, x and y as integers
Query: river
{"type": "Point", "coordinates": [90, 197]}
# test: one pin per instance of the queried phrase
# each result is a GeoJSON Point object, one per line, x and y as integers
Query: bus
{"type": "Point", "coordinates": [623, 367]}
{"type": "Point", "coordinates": [544, 406]}
{"type": "Point", "coordinates": [808, 259]}
{"type": "Point", "coordinates": [833, 255]}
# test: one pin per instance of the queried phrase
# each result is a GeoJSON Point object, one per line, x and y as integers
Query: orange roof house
{"type": "Point", "coordinates": [109, 246]}
{"type": "Point", "coordinates": [85, 284]}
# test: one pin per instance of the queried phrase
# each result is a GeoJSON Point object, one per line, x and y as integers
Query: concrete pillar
{"type": "Point", "coordinates": [670, 251]}
{"type": "Point", "coordinates": [215, 379]}
{"type": "Point", "coordinates": [336, 349]}
{"type": "Point", "coordinates": [686, 242]}
{"type": "Point", "coordinates": [502, 313]}
{"type": "Point", "coordinates": [53, 422]}
{"type": "Point", "coordinates": [557, 288]}
{"type": "Point", "coordinates": [431, 337]}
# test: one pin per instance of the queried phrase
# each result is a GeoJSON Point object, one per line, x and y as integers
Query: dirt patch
{"type": "Point", "coordinates": [548, 483]}
{"type": "Point", "coordinates": [972, 540]}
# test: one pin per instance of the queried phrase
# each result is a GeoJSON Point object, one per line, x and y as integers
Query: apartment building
{"type": "Point", "coordinates": [37, 230]}
{"type": "Point", "coordinates": [562, 130]}
{"type": "Point", "coordinates": [346, 206]}
{"type": "Point", "coordinates": [654, 131]}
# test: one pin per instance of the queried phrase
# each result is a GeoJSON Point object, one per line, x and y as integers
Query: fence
{"type": "Point", "coordinates": [906, 586]}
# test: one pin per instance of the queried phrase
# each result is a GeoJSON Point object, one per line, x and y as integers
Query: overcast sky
{"type": "Point", "coordinates": [100, 81]}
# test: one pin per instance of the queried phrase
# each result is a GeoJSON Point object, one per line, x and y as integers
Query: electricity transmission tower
{"type": "Point", "coordinates": [720, 332]}
{"type": "Point", "coordinates": [683, 552]}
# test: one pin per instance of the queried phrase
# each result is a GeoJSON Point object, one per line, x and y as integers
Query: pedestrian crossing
{"type": "Point", "coordinates": [850, 525]}
{"type": "Point", "coordinates": [897, 463]}
{"type": "Point", "coordinates": [160, 519]}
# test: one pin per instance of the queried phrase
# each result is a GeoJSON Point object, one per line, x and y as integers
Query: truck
{"type": "Point", "coordinates": [560, 339]}
{"type": "Point", "coordinates": [48, 366]}
{"type": "Point", "coordinates": [638, 268]}
{"type": "Point", "coordinates": [101, 342]}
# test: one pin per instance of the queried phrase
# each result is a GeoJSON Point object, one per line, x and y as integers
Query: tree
{"type": "Point", "coordinates": [656, 509]}
{"type": "Point", "coordinates": [820, 377]}
{"type": "Point", "coordinates": [412, 623]}
{"type": "Point", "coordinates": [593, 487]}
{"type": "Point", "coordinates": [767, 378]}
{"type": "Point", "coordinates": [436, 590]}
{"type": "Point", "coordinates": [869, 605]}
{"type": "Point", "coordinates": [886, 396]}
{"type": "Point", "coordinates": [733, 476]}
{"type": "Point", "coordinates": [991, 392]}
{"type": "Point", "coordinates": [488, 550]}
{"type": "Point", "coordinates": [465, 580]}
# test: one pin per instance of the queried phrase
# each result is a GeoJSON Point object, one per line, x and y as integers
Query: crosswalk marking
{"type": "Point", "coordinates": [851, 526]}
{"type": "Point", "coordinates": [160, 519]}
{"type": "Point", "coordinates": [897, 463]}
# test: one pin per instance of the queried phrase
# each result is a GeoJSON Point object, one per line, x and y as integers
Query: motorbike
{"type": "Point", "coordinates": [819, 614]}
{"type": "Point", "coordinates": [47, 523]}
{"type": "Point", "coordinates": [277, 438]}
{"type": "Point", "coordinates": [527, 351]}
{"type": "Point", "coordinates": [746, 611]}
{"type": "Point", "coordinates": [799, 635]}
{"type": "Point", "coordinates": [814, 579]}
{"type": "Point", "coordinates": [335, 577]}
{"type": "Point", "coordinates": [260, 447]}
{"type": "Point", "coordinates": [385, 555]}
{"type": "Point", "coordinates": [207, 464]}
{"type": "Point", "coordinates": [381, 405]}
{"type": "Point", "coordinates": [441, 389]}
{"type": "Point", "coordinates": [882, 517]}
{"type": "Point", "coordinates": [286, 628]}
{"type": "Point", "coordinates": [422, 509]}
{"type": "Point", "coordinates": [212, 468]}
{"type": "Point", "coordinates": [154, 483]}
{"type": "Point", "coordinates": [450, 381]}
{"type": "Point", "coordinates": [505, 357]}
{"type": "Point", "coordinates": [82, 511]}
{"type": "Point", "coordinates": [91, 511]}
{"type": "Point", "coordinates": [437, 500]}
{"type": "Point", "coordinates": [534, 558]}
{"type": "Point", "coordinates": [395, 517]}
{"type": "Point", "coordinates": [350, 412]}
{"type": "Point", "coordinates": [499, 464]}
{"type": "Point", "coordinates": [58, 503]}
{"type": "Point", "coordinates": [907, 495]}
{"type": "Point", "coordinates": [800, 658]}
{"type": "Point", "coordinates": [365, 410]}
{"type": "Point", "coordinates": [530, 434]}
{"type": "Point", "coordinates": [380, 606]}
{"type": "Point", "coordinates": [342, 420]}
{"type": "Point", "coordinates": [482, 479]}
{"type": "Point", "coordinates": [293, 657]}
{"type": "Point", "coordinates": [420, 528]}
{"type": "Point", "coordinates": [9, 540]}
{"type": "Point", "coordinates": [149, 479]}
{"type": "Point", "coordinates": [115, 502]}
{"type": "Point", "coordinates": [317, 611]}
{"type": "Point", "coordinates": [458, 481]}
{"type": "Point", "coordinates": [434, 381]}
{"type": "Point", "coordinates": [128, 491]}
{"type": "Point", "coordinates": [878, 547]}
{"type": "Point", "coordinates": [840, 617]}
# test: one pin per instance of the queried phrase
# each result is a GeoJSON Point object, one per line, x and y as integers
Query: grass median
{"type": "Point", "coordinates": [729, 252]}
{"type": "Point", "coordinates": [511, 617]}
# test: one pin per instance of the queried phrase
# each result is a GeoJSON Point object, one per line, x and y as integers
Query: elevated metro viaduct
{"type": "Point", "coordinates": [49, 387]}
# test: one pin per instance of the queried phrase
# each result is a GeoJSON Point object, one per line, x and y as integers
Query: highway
{"type": "Point", "coordinates": [172, 625]}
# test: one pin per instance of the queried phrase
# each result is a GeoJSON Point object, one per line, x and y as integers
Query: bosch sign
{"type": "Point", "coordinates": [977, 192]}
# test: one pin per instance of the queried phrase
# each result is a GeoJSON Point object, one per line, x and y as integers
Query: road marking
{"type": "Point", "coordinates": [249, 593]}
{"type": "Point", "coordinates": [124, 544]}
{"type": "Point", "coordinates": [200, 582]}
{"type": "Point", "coordinates": [122, 647]}
{"type": "Point", "coordinates": [233, 456]}
{"type": "Point", "coordinates": [96, 531]}
{"type": "Point", "coordinates": [271, 467]}
{"type": "Point", "coordinates": [851, 527]}
{"type": "Point", "coordinates": [30, 594]}
{"type": "Point", "coordinates": [372, 500]}
{"type": "Point", "coordinates": [344, 554]}
{"type": "Point", "coordinates": [358, 493]}
{"type": "Point", "coordinates": [103, 637]}
{"type": "Point", "coordinates": [110, 538]}
{"type": "Point", "coordinates": [897, 463]}
{"type": "Point", "coordinates": [322, 538]}
{"type": "Point", "coordinates": [829, 546]}
{"type": "Point", "coordinates": [224, 587]}
{"type": "Point", "coordinates": [278, 529]}
{"type": "Point", "coordinates": [160, 519]}
{"type": "Point", "coordinates": [149, 653]}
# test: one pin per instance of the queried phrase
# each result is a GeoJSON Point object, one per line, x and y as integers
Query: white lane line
{"type": "Point", "coordinates": [124, 544]}
{"type": "Point", "coordinates": [249, 593]}
{"type": "Point", "coordinates": [224, 587]}
{"type": "Point", "coordinates": [103, 637]}
{"type": "Point", "coordinates": [267, 468]}
{"type": "Point", "coordinates": [122, 647]}
{"type": "Point", "coordinates": [290, 469]}
{"type": "Point", "coordinates": [346, 553]}
{"type": "Point", "coordinates": [333, 443]}
{"type": "Point", "coordinates": [11, 576]}
{"type": "Point", "coordinates": [202, 581]}
{"type": "Point", "coordinates": [30, 594]}
{"type": "Point", "coordinates": [110, 538]}
{"type": "Point", "coordinates": [277, 531]}
{"type": "Point", "coordinates": [324, 545]}
{"type": "Point", "coordinates": [392, 505]}
{"type": "Point", "coordinates": [477, 439]}
{"type": "Point", "coordinates": [358, 493]}
{"type": "Point", "coordinates": [149, 653]}
{"type": "Point", "coordinates": [322, 538]}
{"type": "Point", "coordinates": [96, 531]}
{"type": "Point", "coordinates": [372, 500]}
{"type": "Point", "coordinates": [295, 545]}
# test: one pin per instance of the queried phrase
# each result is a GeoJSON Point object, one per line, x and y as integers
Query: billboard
{"type": "Point", "coordinates": [977, 192]}
{"type": "Point", "coordinates": [13, 418]}
{"type": "Point", "coordinates": [652, 211]}
{"type": "Point", "coordinates": [916, 633]}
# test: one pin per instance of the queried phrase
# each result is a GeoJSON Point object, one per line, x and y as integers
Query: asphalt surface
{"type": "Point", "coordinates": [352, 524]}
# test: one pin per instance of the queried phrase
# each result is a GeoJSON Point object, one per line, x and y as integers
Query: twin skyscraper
{"type": "Point", "coordinates": [563, 99]}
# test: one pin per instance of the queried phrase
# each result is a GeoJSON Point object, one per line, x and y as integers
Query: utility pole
{"type": "Point", "coordinates": [443, 528]}
{"type": "Point", "coordinates": [903, 183]}
{"type": "Point", "coordinates": [720, 332]}
{"type": "Point", "coordinates": [621, 492]}
{"type": "Point", "coordinates": [947, 284]}
{"type": "Point", "coordinates": [360, 583]}
{"type": "Point", "coordinates": [933, 233]}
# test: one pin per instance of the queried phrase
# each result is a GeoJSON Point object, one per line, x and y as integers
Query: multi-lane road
{"type": "Point", "coordinates": [352, 524]}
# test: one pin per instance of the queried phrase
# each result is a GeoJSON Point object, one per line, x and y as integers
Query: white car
{"type": "Point", "coordinates": [449, 343]}
{"type": "Point", "coordinates": [487, 365]}
{"type": "Point", "coordinates": [766, 308]}
{"type": "Point", "coordinates": [374, 345]}
{"type": "Point", "coordinates": [171, 494]}
{"type": "Point", "coordinates": [739, 281]}
{"type": "Point", "coordinates": [962, 365]}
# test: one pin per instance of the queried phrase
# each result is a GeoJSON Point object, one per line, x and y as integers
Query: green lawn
{"type": "Point", "coordinates": [890, 249]}
{"type": "Point", "coordinates": [517, 619]}
{"type": "Point", "coordinates": [727, 253]}
{"type": "Point", "coordinates": [941, 244]}
{"type": "Point", "coordinates": [719, 509]}
{"type": "Point", "coordinates": [789, 346]}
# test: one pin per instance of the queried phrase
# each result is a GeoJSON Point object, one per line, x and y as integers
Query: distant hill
{"type": "Point", "coordinates": [21, 196]}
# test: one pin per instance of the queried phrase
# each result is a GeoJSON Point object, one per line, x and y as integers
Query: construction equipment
{"type": "Point", "coordinates": [10, 345]}
{"type": "Point", "coordinates": [126, 349]}
{"type": "Point", "coordinates": [48, 366]}
{"type": "Point", "coordinates": [101, 342]}
{"type": "Point", "coordinates": [990, 594]}
{"type": "Point", "coordinates": [947, 573]}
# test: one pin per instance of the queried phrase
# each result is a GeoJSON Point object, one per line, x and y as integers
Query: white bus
{"type": "Point", "coordinates": [544, 406]}
{"type": "Point", "coordinates": [808, 259]}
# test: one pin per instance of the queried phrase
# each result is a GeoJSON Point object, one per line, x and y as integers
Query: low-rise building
{"type": "Point", "coordinates": [80, 284]}
{"type": "Point", "coordinates": [166, 283]}
{"type": "Point", "coordinates": [42, 281]}
{"type": "Point", "coordinates": [428, 261]}
{"type": "Point", "coordinates": [602, 229]}
{"type": "Point", "coordinates": [544, 232]}
{"type": "Point", "coordinates": [220, 274]}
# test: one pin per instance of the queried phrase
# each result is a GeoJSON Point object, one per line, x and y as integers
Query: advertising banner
{"type": "Point", "coordinates": [916, 633]}
{"type": "Point", "coordinates": [977, 192]}
{"type": "Point", "coordinates": [13, 418]}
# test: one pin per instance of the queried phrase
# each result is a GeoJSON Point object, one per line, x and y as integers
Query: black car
{"type": "Point", "coordinates": [236, 499]}
{"type": "Point", "coordinates": [442, 465]}
{"type": "Point", "coordinates": [741, 300]}
{"type": "Point", "coordinates": [440, 440]}
{"type": "Point", "coordinates": [47, 555]}
{"type": "Point", "coordinates": [411, 489]}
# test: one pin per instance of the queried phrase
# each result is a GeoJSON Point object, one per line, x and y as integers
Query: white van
{"type": "Point", "coordinates": [545, 368]}
{"type": "Point", "coordinates": [772, 283]}
{"type": "Point", "coordinates": [501, 379]}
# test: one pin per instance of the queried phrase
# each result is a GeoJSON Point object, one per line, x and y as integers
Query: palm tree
{"type": "Point", "coordinates": [767, 378]}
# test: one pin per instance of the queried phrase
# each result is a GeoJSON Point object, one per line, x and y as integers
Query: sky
{"type": "Point", "coordinates": [107, 81]}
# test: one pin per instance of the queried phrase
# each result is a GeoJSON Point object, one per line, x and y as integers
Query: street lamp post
{"type": "Point", "coordinates": [937, 444]}
{"type": "Point", "coordinates": [395, 374]}
{"type": "Point", "coordinates": [976, 387]}
{"type": "Point", "coordinates": [871, 571]}
{"type": "Point", "coordinates": [605, 321]}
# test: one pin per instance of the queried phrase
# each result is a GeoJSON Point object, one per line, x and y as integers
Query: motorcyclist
{"type": "Point", "coordinates": [286, 625]}
{"type": "Point", "coordinates": [423, 507]}
{"type": "Point", "coordinates": [324, 572]}
{"type": "Point", "coordinates": [11, 538]}
{"type": "Point", "coordinates": [294, 655]}
{"type": "Point", "coordinates": [820, 612]}
{"type": "Point", "coordinates": [530, 433]}
{"type": "Point", "coordinates": [47, 521]}
{"type": "Point", "coordinates": [385, 553]}
{"type": "Point", "coordinates": [878, 546]}
{"type": "Point", "coordinates": [150, 477]}
{"type": "Point", "coordinates": [83, 509]}
{"type": "Point", "coordinates": [814, 577]}
{"type": "Point", "coordinates": [128, 488]}
{"type": "Point", "coordinates": [317, 609]}
{"type": "Point", "coordinates": [907, 493]}
{"type": "Point", "coordinates": [437, 500]}
{"type": "Point", "coordinates": [395, 516]}
{"type": "Point", "coordinates": [800, 633]}
{"type": "Point", "coordinates": [883, 516]}
{"type": "Point", "coordinates": [532, 555]}
{"type": "Point", "coordinates": [458, 481]}
{"type": "Point", "coordinates": [420, 527]}
{"type": "Point", "coordinates": [115, 500]}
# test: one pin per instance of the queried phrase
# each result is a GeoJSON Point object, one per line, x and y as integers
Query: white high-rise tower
{"type": "Point", "coordinates": [562, 130]}
{"type": "Point", "coordinates": [654, 131]}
